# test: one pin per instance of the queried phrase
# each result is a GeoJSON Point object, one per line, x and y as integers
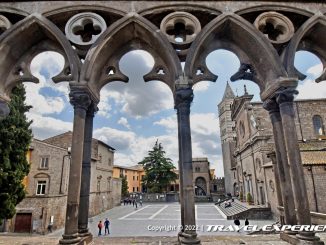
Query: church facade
{"type": "Point", "coordinates": [248, 149]}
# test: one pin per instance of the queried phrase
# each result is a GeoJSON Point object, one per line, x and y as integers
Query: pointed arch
{"type": "Point", "coordinates": [22, 42]}
{"type": "Point", "coordinates": [309, 37]}
{"type": "Point", "coordinates": [132, 32]}
{"type": "Point", "coordinates": [232, 32]}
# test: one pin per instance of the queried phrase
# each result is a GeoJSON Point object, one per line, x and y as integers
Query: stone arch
{"type": "Point", "coordinates": [19, 45]}
{"type": "Point", "coordinates": [200, 186]}
{"type": "Point", "coordinates": [245, 41]}
{"type": "Point", "coordinates": [308, 38]}
{"type": "Point", "coordinates": [133, 32]}
{"type": "Point", "coordinates": [15, 11]}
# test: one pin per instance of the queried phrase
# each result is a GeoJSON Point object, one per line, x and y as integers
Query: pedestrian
{"type": "Point", "coordinates": [100, 226]}
{"type": "Point", "coordinates": [136, 203]}
{"type": "Point", "coordinates": [141, 203]}
{"type": "Point", "coordinates": [246, 222]}
{"type": "Point", "coordinates": [237, 222]}
{"type": "Point", "coordinates": [106, 225]}
{"type": "Point", "coordinates": [50, 227]}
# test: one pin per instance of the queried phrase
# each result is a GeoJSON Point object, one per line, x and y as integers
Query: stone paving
{"type": "Point", "coordinates": [133, 226]}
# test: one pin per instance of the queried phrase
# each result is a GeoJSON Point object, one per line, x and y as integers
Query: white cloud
{"type": "Point", "coordinates": [124, 122]}
{"type": "Point", "coordinates": [309, 89]}
{"type": "Point", "coordinates": [45, 127]}
{"type": "Point", "coordinates": [201, 86]}
{"type": "Point", "coordinates": [315, 70]}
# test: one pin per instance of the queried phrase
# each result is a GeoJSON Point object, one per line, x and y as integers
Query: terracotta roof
{"type": "Point", "coordinates": [313, 157]}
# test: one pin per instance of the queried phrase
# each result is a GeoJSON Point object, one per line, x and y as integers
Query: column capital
{"type": "Point", "coordinates": [183, 97]}
{"type": "Point", "coordinates": [286, 95]}
{"type": "Point", "coordinates": [92, 109]}
{"type": "Point", "coordinates": [271, 105]}
{"type": "Point", "coordinates": [80, 99]}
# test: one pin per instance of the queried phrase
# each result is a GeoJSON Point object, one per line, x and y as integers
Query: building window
{"type": "Point", "coordinates": [142, 177]}
{"type": "Point", "coordinates": [44, 162]}
{"type": "Point", "coordinates": [40, 189]}
{"type": "Point", "coordinates": [133, 177]}
{"type": "Point", "coordinates": [197, 169]}
{"type": "Point", "coordinates": [242, 129]}
{"type": "Point", "coordinates": [137, 189]}
{"type": "Point", "coordinates": [133, 189]}
{"type": "Point", "coordinates": [318, 125]}
{"type": "Point", "coordinates": [100, 158]}
{"type": "Point", "coordinates": [110, 161]}
{"type": "Point", "coordinates": [137, 177]}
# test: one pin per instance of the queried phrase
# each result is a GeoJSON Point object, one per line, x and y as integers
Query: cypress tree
{"type": "Point", "coordinates": [15, 137]}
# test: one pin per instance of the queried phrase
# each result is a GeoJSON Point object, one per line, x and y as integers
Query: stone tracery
{"type": "Point", "coordinates": [263, 37]}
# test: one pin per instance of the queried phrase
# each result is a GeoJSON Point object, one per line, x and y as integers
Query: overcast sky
{"type": "Point", "coordinates": [133, 116]}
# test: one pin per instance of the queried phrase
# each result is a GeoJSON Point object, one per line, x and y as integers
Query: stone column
{"type": "Point", "coordinates": [86, 174]}
{"type": "Point", "coordinates": [282, 162]}
{"type": "Point", "coordinates": [285, 100]}
{"type": "Point", "coordinates": [272, 156]}
{"type": "Point", "coordinates": [80, 101]}
{"type": "Point", "coordinates": [180, 176]}
{"type": "Point", "coordinates": [183, 100]}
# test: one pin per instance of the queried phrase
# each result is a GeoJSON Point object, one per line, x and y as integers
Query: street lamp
{"type": "Point", "coordinates": [63, 164]}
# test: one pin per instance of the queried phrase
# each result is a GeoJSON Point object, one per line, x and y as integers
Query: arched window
{"type": "Point", "coordinates": [258, 164]}
{"type": "Point", "coordinates": [318, 125]}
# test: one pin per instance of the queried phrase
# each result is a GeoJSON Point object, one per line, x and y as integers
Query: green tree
{"type": "Point", "coordinates": [158, 170]}
{"type": "Point", "coordinates": [15, 137]}
{"type": "Point", "coordinates": [124, 186]}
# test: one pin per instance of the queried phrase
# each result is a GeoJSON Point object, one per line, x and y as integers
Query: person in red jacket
{"type": "Point", "coordinates": [100, 226]}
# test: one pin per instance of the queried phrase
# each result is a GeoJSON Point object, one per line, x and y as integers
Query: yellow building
{"type": "Point", "coordinates": [134, 175]}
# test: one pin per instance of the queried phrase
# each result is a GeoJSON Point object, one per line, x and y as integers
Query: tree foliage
{"type": "Point", "coordinates": [158, 170]}
{"type": "Point", "coordinates": [124, 186]}
{"type": "Point", "coordinates": [15, 137]}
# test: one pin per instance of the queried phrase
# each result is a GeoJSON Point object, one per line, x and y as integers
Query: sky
{"type": "Point", "coordinates": [133, 116]}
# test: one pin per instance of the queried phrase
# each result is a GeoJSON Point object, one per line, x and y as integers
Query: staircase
{"type": "Point", "coordinates": [242, 211]}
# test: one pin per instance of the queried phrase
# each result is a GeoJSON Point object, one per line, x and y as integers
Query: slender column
{"type": "Point", "coordinates": [285, 100]}
{"type": "Point", "coordinates": [180, 176]}
{"type": "Point", "coordinates": [80, 101]}
{"type": "Point", "coordinates": [184, 98]}
{"type": "Point", "coordinates": [86, 173]}
{"type": "Point", "coordinates": [282, 162]}
{"type": "Point", "coordinates": [277, 178]}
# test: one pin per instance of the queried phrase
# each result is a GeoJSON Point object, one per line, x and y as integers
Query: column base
{"type": "Point", "coordinates": [188, 238]}
{"type": "Point", "coordinates": [84, 232]}
{"type": "Point", "coordinates": [301, 240]}
{"type": "Point", "coordinates": [70, 239]}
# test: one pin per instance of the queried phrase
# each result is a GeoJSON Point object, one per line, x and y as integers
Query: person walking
{"type": "Point", "coordinates": [246, 222]}
{"type": "Point", "coordinates": [106, 225]}
{"type": "Point", "coordinates": [100, 226]}
{"type": "Point", "coordinates": [237, 222]}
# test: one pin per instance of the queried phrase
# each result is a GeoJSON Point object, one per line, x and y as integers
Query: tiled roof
{"type": "Point", "coordinates": [313, 157]}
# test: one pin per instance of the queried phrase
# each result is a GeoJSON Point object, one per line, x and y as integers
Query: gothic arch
{"type": "Point", "coordinates": [308, 38]}
{"type": "Point", "coordinates": [19, 45]}
{"type": "Point", "coordinates": [251, 47]}
{"type": "Point", "coordinates": [275, 7]}
{"type": "Point", "coordinates": [133, 32]}
{"type": "Point", "coordinates": [13, 11]}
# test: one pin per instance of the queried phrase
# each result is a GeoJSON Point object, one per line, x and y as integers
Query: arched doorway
{"type": "Point", "coordinates": [200, 187]}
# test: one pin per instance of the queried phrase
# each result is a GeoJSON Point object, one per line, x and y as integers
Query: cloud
{"type": "Point", "coordinates": [315, 70]}
{"type": "Point", "coordinates": [45, 127]}
{"type": "Point", "coordinates": [137, 98]}
{"type": "Point", "coordinates": [201, 86]}
{"type": "Point", "coordinates": [124, 122]}
{"type": "Point", "coordinates": [309, 89]}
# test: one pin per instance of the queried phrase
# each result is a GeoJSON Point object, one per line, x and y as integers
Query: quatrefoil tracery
{"type": "Point", "coordinates": [83, 29]}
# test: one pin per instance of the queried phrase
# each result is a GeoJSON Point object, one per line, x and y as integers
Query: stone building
{"type": "Point", "coordinates": [47, 184]}
{"type": "Point", "coordinates": [248, 168]}
{"type": "Point", "coordinates": [134, 176]}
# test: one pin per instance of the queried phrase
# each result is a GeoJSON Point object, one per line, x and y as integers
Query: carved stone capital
{"type": "Point", "coordinates": [4, 109]}
{"type": "Point", "coordinates": [183, 97]}
{"type": "Point", "coordinates": [80, 99]}
{"type": "Point", "coordinates": [271, 105]}
{"type": "Point", "coordinates": [92, 109]}
{"type": "Point", "coordinates": [286, 95]}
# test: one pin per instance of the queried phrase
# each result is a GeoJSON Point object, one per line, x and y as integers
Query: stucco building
{"type": "Point", "coordinates": [248, 144]}
{"type": "Point", "coordinates": [133, 174]}
{"type": "Point", "coordinates": [47, 184]}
